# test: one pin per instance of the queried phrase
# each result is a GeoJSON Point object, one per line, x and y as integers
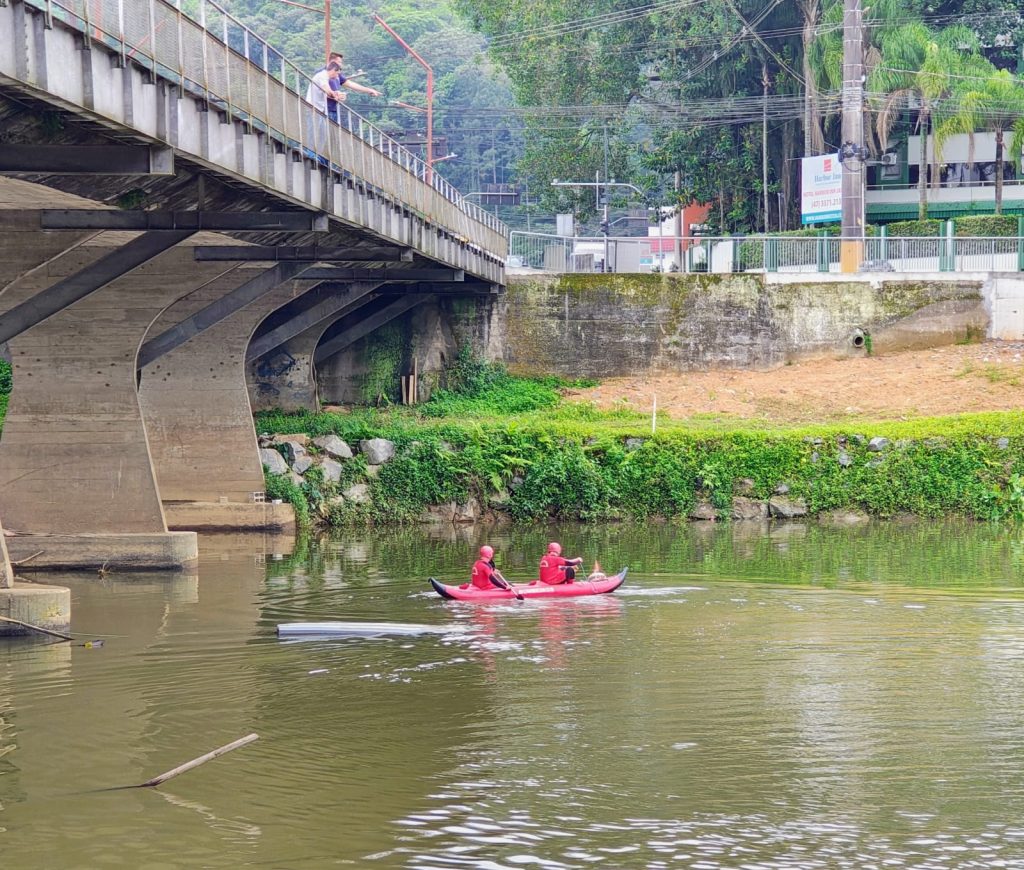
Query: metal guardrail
{"type": "Point", "coordinates": [950, 185]}
{"type": "Point", "coordinates": [202, 48]}
{"type": "Point", "coordinates": [762, 254]}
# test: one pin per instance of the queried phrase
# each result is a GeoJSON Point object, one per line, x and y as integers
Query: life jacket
{"type": "Point", "coordinates": [550, 569]}
{"type": "Point", "coordinates": [482, 573]}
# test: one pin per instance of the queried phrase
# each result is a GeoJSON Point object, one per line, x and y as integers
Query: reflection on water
{"type": "Point", "coordinates": [777, 697]}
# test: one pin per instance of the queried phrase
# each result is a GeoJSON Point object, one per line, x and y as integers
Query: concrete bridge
{"type": "Point", "coordinates": [167, 196]}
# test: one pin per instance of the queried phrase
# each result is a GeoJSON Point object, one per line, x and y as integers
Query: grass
{"type": "Point", "coordinates": [994, 374]}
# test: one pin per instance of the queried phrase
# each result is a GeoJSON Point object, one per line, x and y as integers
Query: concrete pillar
{"type": "Point", "coordinates": [76, 481]}
{"type": "Point", "coordinates": [30, 603]}
{"type": "Point", "coordinates": [24, 247]}
{"type": "Point", "coordinates": [285, 378]}
{"type": "Point", "coordinates": [206, 458]}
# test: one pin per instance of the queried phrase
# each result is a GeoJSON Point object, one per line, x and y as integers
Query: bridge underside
{"type": "Point", "coordinates": [130, 423]}
{"type": "Point", "coordinates": [154, 219]}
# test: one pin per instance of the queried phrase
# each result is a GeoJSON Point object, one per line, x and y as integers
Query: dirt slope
{"type": "Point", "coordinates": [948, 380]}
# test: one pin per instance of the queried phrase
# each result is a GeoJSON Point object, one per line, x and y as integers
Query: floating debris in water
{"type": "Point", "coordinates": [360, 629]}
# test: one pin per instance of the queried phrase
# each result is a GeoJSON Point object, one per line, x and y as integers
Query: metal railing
{"type": "Point", "coordinates": [790, 254]}
{"type": "Point", "coordinates": [947, 185]}
{"type": "Point", "coordinates": [200, 47]}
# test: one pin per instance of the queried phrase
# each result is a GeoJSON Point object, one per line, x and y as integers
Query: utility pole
{"type": "Point", "coordinates": [852, 154]}
{"type": "Point", "coordinates": [678, 228]}
{"type": "Point", "coordinates": [604, 224]}
{"type": "Point", "coordinates": [764, 140]}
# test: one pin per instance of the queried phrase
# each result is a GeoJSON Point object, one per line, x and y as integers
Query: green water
{"type": "Point", "coordinates": [795, 698]}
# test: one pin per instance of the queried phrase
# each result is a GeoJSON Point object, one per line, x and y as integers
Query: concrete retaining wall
{"type": "Point", "coordinates": [610, 325]}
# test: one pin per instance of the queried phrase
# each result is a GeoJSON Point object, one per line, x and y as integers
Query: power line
{"type": "Point", "coordinates": [592, 23]}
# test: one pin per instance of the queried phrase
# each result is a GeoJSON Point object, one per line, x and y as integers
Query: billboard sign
{"type": "Point", "coordinates": [821, 189]}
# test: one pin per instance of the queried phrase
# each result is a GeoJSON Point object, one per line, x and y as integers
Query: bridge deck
{"type": "Point", "coordinates": [228, 102]}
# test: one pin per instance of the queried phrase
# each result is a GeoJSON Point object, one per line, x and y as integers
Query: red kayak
{"type": "Point", "coordinates": [536, 589]}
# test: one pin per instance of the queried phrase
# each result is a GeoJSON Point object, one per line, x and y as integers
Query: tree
{"type": "Point", "coordinates": [994, 102]}
{"type": "Point", "coordinates": [918, 65]}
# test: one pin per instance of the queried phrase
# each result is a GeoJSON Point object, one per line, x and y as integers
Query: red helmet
{"type": "Point", "coordinates": [486, 552]}
{"type": "Point", "coordinates": [555, 547]}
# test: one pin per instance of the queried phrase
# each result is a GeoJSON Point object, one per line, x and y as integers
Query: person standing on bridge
{"type": "Point", "coordinates": [337, 81]}
{"type": "Point", "coordinates": [317, 94]}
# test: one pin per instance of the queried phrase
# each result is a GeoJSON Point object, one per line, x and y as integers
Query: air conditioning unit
{"type": "Point", "coordinates": [890, 159]}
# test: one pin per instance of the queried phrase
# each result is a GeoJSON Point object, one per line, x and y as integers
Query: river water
{"type": "Point", "coordinates": [798, 697]}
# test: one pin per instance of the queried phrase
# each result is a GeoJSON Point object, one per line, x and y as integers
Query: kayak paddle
{"type": "Point", "coordinates": [508, 585]}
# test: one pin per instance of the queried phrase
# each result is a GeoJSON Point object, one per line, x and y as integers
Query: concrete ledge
{"type": "Point", "coordinates": [202, 516]}
{"type": "Point", "coordinates": [45, 606]}
{"type": "Point", "coordinates": [168, 551]}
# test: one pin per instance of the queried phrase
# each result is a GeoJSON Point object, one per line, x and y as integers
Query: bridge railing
{"type": "Point", "coordinates": [761, 254]}
{"type": "Point", "coordinates": [202, 48]}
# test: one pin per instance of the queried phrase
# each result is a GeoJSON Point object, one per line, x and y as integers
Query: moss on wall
{"type": "Point", "coordinates": [606, 325]}
{"type": "Point", "coordinates": [383, 360]}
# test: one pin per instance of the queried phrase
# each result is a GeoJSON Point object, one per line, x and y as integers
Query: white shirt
{"type": "Point", "coordinates": [318, 89]}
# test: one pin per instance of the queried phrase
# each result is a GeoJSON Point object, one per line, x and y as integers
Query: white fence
{"type": "Point", "coordinates": [760, 254]}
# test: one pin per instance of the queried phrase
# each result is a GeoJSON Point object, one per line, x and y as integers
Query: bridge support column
{"type": "Point", "coordinates": [329, 359]}
{"type": "Point", "coordinates": [196, 407]}
{"type": "Point", "coordinates": [280, 362]}
{"type": "Point", "coordinates": [76, 482]}
{"type": "Point", "coordinates": [284, 377]}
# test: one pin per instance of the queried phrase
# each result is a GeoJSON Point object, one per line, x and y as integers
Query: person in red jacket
{"type": "Point", "coordinates": [484, 572]}
{"type": "Point", "coordinates": [555, 569]}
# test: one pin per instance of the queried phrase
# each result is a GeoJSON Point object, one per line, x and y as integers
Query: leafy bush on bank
{"type": "Point", "coordinates": [532, 468]}
{"type": "Point", "coordinates": [474, 387]}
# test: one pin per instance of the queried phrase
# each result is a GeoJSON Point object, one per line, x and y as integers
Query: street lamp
{"type": "Point", "coordinates": [326, 9]}
{"type": "Point", "coordinates": [597, 185]}
{"type": "Point", "coordinates": [430, 94]}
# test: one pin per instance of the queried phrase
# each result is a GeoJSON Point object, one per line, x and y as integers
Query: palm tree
{"type": "Point", "coordinates": [919, 65]}
{"type": "Point", "coordinates": [823, 58]}
{"type": "Point", "coordinates": [814, 138]}
{"type": "Point", "coordinates": [989, 102]}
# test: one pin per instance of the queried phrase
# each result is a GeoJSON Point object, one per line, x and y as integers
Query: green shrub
{"type": "Point", "coordinates": [475, 387]}
{"type": "Point", "coordinates": [982, 225]}
{"type": "Point", "coordinates": [914, 229]}
{"type": "Point", "coordinates": [986, 225]}
{"type": "Point", "coordinates": [564, 482]}
{"type": "Point", "coordinates": [282, 487]}
{"type": "Point", "coordinates": [422, 475]}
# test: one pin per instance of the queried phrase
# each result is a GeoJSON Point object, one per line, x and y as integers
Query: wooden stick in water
{"type": "Point", "coordinates": [202, 759]}
{"type": "Point", "coordinates": [38, 628]}
{"type": "Point", "coordinates": [27, 558]}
